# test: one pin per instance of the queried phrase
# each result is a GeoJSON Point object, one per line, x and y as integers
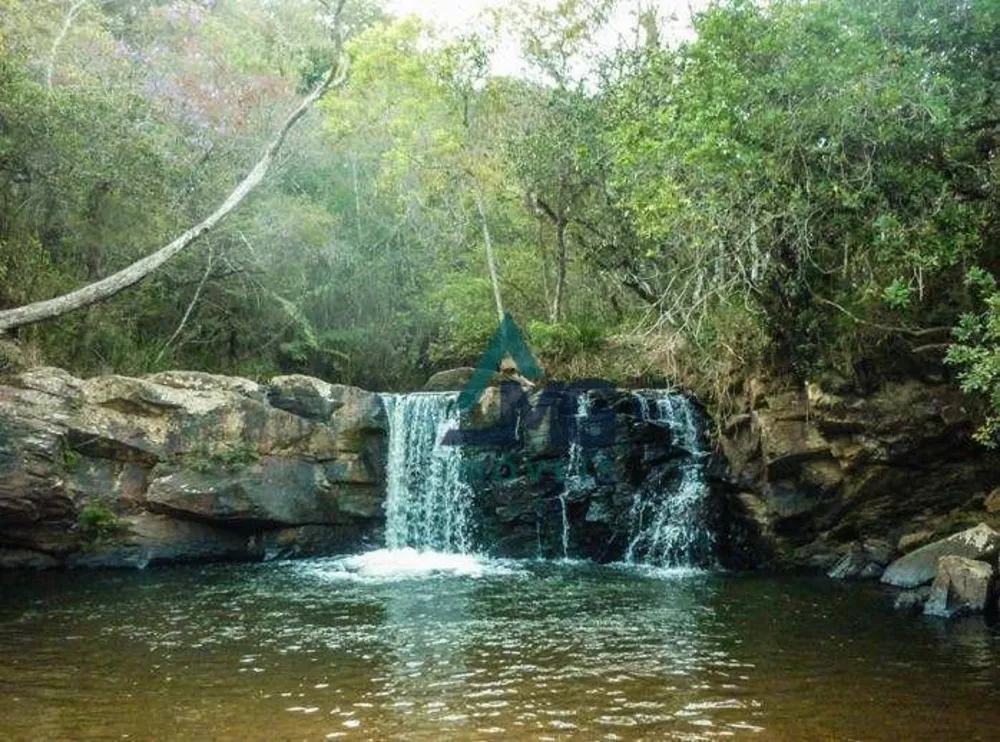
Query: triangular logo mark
{"type": "Point", "coordinates": [507, 340]}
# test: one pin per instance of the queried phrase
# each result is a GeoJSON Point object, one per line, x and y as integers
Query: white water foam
{"type": "Point", "coordinates": [576, 478]}
{"type": "Point", "coordinates": [393, 565]}
{"type": "Point", "coordinates": [669, 529]}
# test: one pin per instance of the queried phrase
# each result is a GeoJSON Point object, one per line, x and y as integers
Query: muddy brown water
{"type": "Point", "coordinates": [495, 651]}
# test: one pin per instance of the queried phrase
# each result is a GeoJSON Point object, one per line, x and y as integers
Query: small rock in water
{"type": "Point", "coordinates": [863, 561]}
{"type": "Point", "coordinates": [912, 601]}
{"type": "Point", "coordinates": [961, 586]}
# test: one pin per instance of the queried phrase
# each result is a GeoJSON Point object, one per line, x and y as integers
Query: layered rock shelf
{"type": "Point", "coordinates": [184, 466]}
{"type": "Point", "coordinates": [825, 472]}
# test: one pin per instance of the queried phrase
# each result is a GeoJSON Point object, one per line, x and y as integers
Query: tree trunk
{"type": "Point", "coordinates": [546, 268]}
{"type": "Point", "coordinates": [557, 303]}
{"type": "Point", "coordinates": [70, 16]}
{"type": "Point", "coordinates": [490, 257]}
{"type": "Point", "coordinates": [108, 287]}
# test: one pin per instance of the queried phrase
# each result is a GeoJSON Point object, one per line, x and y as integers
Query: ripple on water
{"type": "Point", "coordinates": [408, 645]}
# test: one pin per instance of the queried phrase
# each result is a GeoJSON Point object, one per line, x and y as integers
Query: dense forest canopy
{"type": "Point", "coordinates": [804, 186]}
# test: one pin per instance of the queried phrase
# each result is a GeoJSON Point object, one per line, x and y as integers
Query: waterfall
{"type": "Point", "coordinates": [427, 503]}
{"type": "Point", "coordinates": [668, 525]}
{"type": "Point", "coordinates": [575, 478]}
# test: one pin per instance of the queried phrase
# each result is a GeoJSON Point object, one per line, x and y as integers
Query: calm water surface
{"type": "Point", "coordinates": [307, 651]}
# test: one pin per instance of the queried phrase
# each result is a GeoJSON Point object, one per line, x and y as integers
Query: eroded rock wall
{"type": "Point", "coordinates": [184, 466]}
{"type": "Point", "coordinates": [820, 470]}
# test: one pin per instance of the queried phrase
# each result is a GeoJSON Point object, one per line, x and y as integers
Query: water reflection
{"type": "Point", "coordinates": [526, 651]}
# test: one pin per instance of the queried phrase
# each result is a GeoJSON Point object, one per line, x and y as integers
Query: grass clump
{"type": "Point", "coordinates": [97, 522]}
{"type": "Point", "coordinates": [204, 459]}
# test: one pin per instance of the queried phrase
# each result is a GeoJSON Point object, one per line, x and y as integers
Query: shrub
{"type": "Point", "coordinates": [97, 522]}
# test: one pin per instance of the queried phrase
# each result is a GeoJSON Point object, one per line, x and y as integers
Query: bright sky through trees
{"type": "Point", "coordinates": [461, 16]}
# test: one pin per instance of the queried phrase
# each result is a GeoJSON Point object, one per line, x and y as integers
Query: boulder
{"type": "Point", "coordinates": [204, 382]}
{"type": "Point", "coordinates": [862, 561]}
{"type": "Point", "coordinates": [992, 502]}
{"type": "Point", "coordinates": [961, 586]}
{"type": "Point", "coordinates": [179, 446]}
{"type": "Point", "coordinates": [322, 402]}
{"type": "Point", "coordinates": [272, 490]}
{"type": "Point", "coordinates": [26, 559]}
{"type": "Point", "coordinates": [449, 380]}
{"type": "Point", "coordinates": [910, 541]}
{"type": "Point", "coordinates": [920, 566]}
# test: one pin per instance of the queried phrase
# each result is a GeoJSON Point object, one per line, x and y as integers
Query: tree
{"type": "Point", "coordinates": [814, 212]}
{"type": "Point", "coordinates": [111, 285]}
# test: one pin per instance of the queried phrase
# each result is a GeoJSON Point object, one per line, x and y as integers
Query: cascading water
{"type": "Point", "coordinates": [427, 503]}
{"type": "Point", "coordinates": [575, 478]}
{"type": "Point", "coordinates": [669, 526]}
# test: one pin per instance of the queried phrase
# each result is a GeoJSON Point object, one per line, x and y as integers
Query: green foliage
{"type": "Point", "coordinates": [813, 161]}
{"type": "Point", "coordinates": [97, 523]}
{"type": "Point", "coordinates": [69, 457]}
{"type": "Point", "coordinates": [205, 458]}
{"type": "Point", "coordinates": [898, 294]}
{"type": "Point", "coordinates": [976, 353]}
{"type": "Point", "coordinates": [790, 189]}
{"type": "Point", "coordinates": [563, 340]}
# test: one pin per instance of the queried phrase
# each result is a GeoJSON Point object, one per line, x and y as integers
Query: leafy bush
{"type": "Point", "coordinates": [97, 522]}
{"type": "Point", "coordinates": [202, 458]}
{"type": "Point", "coordinates": [69, 457]}
{"type": "Point", "coordinates": [560, 340]}
{"type": "Point", "coordinates": [976, 353]}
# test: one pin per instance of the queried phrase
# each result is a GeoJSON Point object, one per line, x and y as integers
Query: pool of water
{"type": "Point", "coordinates": [395, 648]}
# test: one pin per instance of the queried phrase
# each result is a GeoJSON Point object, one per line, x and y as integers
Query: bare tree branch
{"type": "Point", "coordinates": [132, 274]}
{"type": "Point", "coordinates": [190, 307]}
{"type": "Point", "coordinates": [912, 332]}
{"type": "Point", "coordinates": [58, 40]}
{"type": "Point", "coordinates": [490, 257]}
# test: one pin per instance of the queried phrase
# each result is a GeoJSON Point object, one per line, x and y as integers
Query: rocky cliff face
{"type": "Point", "coordinates": [599, 486]}
{"type": "Point", "coordinates": [184, 466]}
{"type": "Point", "coordinates": [821, 470]}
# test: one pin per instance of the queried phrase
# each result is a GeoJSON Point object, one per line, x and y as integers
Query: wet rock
{"type": "Point", "coordinates": [912, 601]}
{"type": "Point", "coordinates": [961, 586]}
{"type": "Point", "coordinates": [920, 566]}
{"type": "Point", "coordinates": [26, 559]}
{"type": "Point", "coordinates": [147, 539]}
{"type": "Point", "coordinates": [318, 541]}
{"type": "Point", "coordinates": [862, 561]}
{"type": "Point", "coordinates": [910, 541]}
